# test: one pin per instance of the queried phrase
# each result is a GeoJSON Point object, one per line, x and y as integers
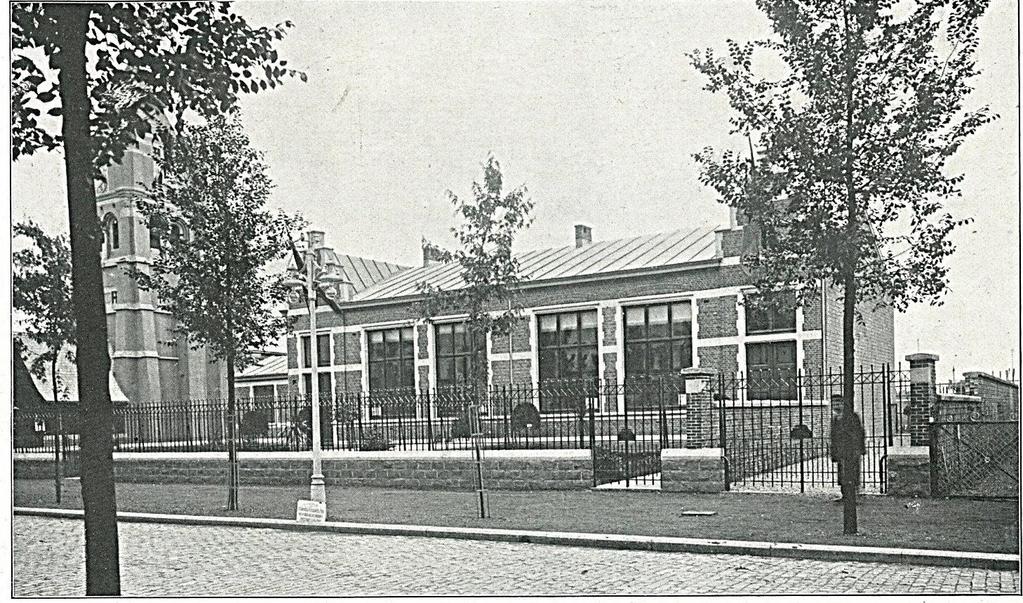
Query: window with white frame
{"type": "Point", "coordinates": [391, 359]}
{"type": "Point", "coordinates": [322, 351]}
{"type": "Point", "coordinates": [568, 355]}
{"type": "Point", "coordinates": [658, 345]}
{"type": "Point", "coordinates": [457, 355]}
{"type": "Point", "coordinates": [658, 339]}
{"type": "Point", "coordinates": [771, 365]}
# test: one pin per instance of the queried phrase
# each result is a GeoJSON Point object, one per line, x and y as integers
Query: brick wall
{"type": "Point", "coordinates": [716, 317]}
{"type": "Point", "coordinates": [875, 336]}
{"type": "Point", "coordinates": [348, 381]}
{"type": "Point", "coordinates": [813, 355]}
{"type": "Point", "coordinates": [593, 290]}
{"type": "Point", "coordinates": [347, 348]}
{"type": "Point", "coordinates": [520, 338]}
{"type": "Point", "coordinates": [610, 367]}
{"type": "Point", "coordinates": [723, 358]}
{"type": "Point", "coordinates": [731, 242]}
{"type": "Point", "coordinates": [423, 335]}
{"type": "Point", "coordinates": [1001, 397]}
{"type": "Point", "coordinates": [292, 352]}
{"type": "Point", "coordinates": [521, 372]}
{"type": "Point", "coordinates": [554, 470]}
{"type": "Point", "coordinates": [609, 316]}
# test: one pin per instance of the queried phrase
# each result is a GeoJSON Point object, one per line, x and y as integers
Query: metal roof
{"type": "Point", "coordinates": [361, 272]}
{"type": "Point", "coordinates": [603, 257]}
{"type": "Point", "coordinates": [271, 366]}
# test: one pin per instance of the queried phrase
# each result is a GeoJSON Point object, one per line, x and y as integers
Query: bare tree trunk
{"type": "Point", "coordinates": [849, 284]}
{"type": "Point", "coordinates": [58, 438]}
{"type": "Point", "coordinates": [232, 438]}
{"type": "Point", "coordinates": [102, 573]}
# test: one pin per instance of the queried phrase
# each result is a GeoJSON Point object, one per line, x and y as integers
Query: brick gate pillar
{"type": "Point", "coordinates": [922, 397]}
{"type": "Point", "coordinates": [699, 406]}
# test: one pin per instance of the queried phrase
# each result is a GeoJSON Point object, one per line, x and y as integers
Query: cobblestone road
{"type": "Point", "coordinates": [173, 560]}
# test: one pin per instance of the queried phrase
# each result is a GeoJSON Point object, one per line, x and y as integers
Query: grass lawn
{"type": "Point", "coordinates": [953, 524]}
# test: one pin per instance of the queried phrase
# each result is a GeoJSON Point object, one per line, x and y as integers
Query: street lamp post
{"type": "Point", "coordinates": [323, 277]}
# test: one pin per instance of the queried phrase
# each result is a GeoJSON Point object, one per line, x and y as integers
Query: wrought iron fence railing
{"type": "Point", "coordinates": [562, 414]}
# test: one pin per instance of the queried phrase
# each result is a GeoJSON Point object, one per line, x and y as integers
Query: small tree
{"type": "Point", "coordinates": [845, 177]}
{"type": "Point", "coordinates": [489, 272]}
{"type": "Point", "coordinates": [210, 203]}
{"type": "Point", "coordinates": [42, 290]}
{"type": "Point", "coordinates": [112, 66]}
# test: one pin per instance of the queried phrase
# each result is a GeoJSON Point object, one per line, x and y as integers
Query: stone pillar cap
{"type": "Point", "coordinates": [921, 357]}
{"type": "Point", "coordinates": [699, 371]}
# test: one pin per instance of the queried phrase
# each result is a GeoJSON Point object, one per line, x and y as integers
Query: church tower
{"type": "Point", "coordinates": [149, 360]}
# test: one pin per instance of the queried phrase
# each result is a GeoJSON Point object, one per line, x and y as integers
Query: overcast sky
{"type": "Point", "coordinates": [593, 107]}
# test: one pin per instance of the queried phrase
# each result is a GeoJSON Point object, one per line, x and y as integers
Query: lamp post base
{"type": "Point", "coordinates": [317, 491]}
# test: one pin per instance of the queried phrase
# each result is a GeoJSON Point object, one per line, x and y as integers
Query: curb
{"type": "Point", "coordinates": [991, 561]}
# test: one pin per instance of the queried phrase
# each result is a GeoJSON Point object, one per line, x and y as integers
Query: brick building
{"type": "Point", "coordinates": [646, 306]}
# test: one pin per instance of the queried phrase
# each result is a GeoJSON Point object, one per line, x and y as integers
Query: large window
{"type": "Point", "coordinates": [658, 345]}
{"type": "Point", "coordinates": [391, 359]}
{"type": "Point", "coordinates": [323, 381]}
{"type": "Point", "coordinates": [771, 370]}
{"type": "Point", "coordinates": [568, 352]}
{"type": "Point", "coordinates": [658, 340]}
{"type": "Point", "coordinates": [776, 317]}
{"type": "Point", "coordinates": [322, 351]}
{"type": "Point", "coordinates": [456, 355]}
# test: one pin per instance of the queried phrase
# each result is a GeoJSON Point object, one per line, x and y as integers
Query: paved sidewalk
{"type": "Point", "coordinates": [173, 560]}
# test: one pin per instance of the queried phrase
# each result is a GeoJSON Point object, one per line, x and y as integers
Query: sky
{"type": "Point", "coordinates": [595, 108]}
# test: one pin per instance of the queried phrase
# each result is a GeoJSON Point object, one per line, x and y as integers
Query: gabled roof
{"type": "Point", "coordinates": [678, 247]}
{"type": "Point", "coordinates": [267, 368]}
{"type": "Point", "coordinates": [361, 272]}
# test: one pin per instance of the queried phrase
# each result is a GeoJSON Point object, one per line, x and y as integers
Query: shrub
{"type": "Point", "coordinates": [254, 424]}
{"type": "Point", "coordinates": [373, 440]}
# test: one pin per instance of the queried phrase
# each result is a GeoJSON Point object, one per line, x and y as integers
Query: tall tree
{"type": "Point", "coordinates": [210, 201]}
{"type": "Point", "coordinates": [42, 291]}
{"type": "Point", "coordinates": [110, 68]}
{"type": "Point", "coordinates": [846, 175]}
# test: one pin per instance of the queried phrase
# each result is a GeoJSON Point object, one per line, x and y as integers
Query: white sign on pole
{"type": "Point", "coordinates": [310, 511]}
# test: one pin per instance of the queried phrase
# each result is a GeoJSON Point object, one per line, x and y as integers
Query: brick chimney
{"type": "Point", "coordinates": [316, 239]}
{"type": "Point", "coordinates": [583, 235]}
{"type": "Point", "coordinates": [432, 254]}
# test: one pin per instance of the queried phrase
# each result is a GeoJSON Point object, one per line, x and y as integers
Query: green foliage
{"type": "Point", "coordinates": [845, 176]}
{"type": "Point", "coordinates": [42, 290]}
{"type": "Point", "coordinates": [146, 59]}
{"type": "Point", "coordinates": [213, 188]}
{"type": "Point", "coordinates": [490, 222]}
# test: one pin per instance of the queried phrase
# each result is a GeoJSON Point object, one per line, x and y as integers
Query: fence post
{"type": "Point", "coordinates": [699, 392]}
{"type": "Point", "coordinates": [922, 397]}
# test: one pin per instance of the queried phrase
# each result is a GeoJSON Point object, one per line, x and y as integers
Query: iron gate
{"type": "Point", "coordinates": [776, 430]}
{"type": "Point", "coordinates": [626, 446]}
{"type": "Point", "coordinates": [976, 459]}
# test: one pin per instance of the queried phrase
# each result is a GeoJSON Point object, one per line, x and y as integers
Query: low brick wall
{"type": "Point", "coordinates": [502, 470]}
{"type": "Point", "coordinates": [909, 471]}
{"type": "Point", "coordinates": [692, 470]}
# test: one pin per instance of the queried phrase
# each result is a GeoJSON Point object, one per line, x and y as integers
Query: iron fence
{"type": "Point", "coordinates": [776, 430]}
{"type": "Point", "coordinates": [512, 417]}
{"type": "Point", "coordinates": [977, 459]}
